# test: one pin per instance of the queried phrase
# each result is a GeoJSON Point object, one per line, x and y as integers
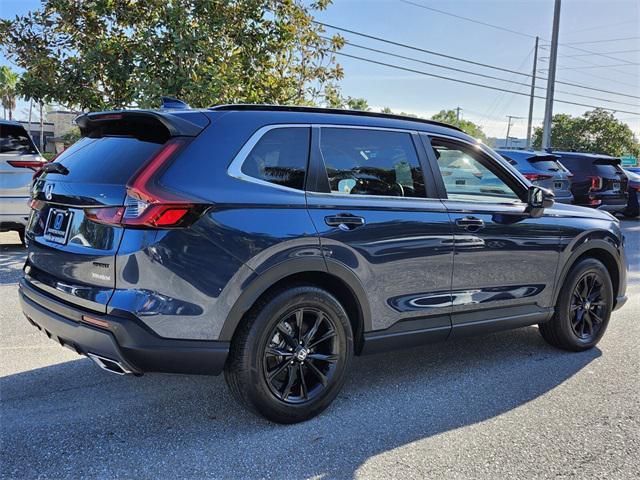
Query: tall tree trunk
{"type": "Point", "coordinates": [10, 114]}
{"type": "Point", "coordinates": [41, 127]}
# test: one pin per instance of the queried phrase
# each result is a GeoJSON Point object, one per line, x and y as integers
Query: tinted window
{"type": "Point", "coordinates": [545, 165]}
{"type": "Point", "coordinates": [467, 177]}
{"type": "Point", "coordinates": [371, 162]}
{"type": "Point", "coordinates": [15, 139]}
{"type": "Point", "coordinates": [111, 160]}
{"type": "Point", "coordinates": [280, 157]}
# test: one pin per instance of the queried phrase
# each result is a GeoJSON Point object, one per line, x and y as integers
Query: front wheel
{"type": "Point", "coordinates": [583, 308]}
{"type": "Point", "coordinates": [289, 357]}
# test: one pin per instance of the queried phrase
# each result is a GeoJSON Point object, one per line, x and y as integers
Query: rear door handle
{"type": "Point", "coordinates": [472, 224]}
{"type": "Point", "coordinates": [344, 221]}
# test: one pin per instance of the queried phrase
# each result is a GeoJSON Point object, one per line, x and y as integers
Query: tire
{"type": "Point", "coordinates": [580, 319]}
{"type": "Point", "coordinates": [271, 373]}
{"type": "Point", "coordinates": [21, 234]}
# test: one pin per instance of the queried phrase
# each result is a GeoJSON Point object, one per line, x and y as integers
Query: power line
{"type": "Point", "coordinates": [608, 53]}
{"type": "Point", "coordinates": [497, 27]}
{"type": "Point", "coordinates": [472, 62]}
{"type": "Point", "coordinates": [581, 67]}
{"type": "Point", "coordinates": [483, 75]}
{"type": "Point", "coordinates": [491, 25]}
{"type": "Point", "coordinates": [601, 41]}
{"type": "Point", "coordinates": [398, 67]}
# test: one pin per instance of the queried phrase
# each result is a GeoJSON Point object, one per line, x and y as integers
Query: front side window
{"type": "Point", "coordinates": [371, 162]}
{"type": "Point", "coordinates": [467, 177]}
{"type": "Point", "coordinates": [280, 157]}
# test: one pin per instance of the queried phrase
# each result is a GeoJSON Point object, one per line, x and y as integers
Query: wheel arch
{"type": "Point", "coordinates": [598, 249]}
{"type": "Point", "coordinates": [331, 276]}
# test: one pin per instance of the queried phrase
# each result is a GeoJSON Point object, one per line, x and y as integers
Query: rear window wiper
{"type": "Point", "coordinates": [55, 167]}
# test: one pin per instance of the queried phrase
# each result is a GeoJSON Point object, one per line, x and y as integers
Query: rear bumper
{"type": "Point", "coordinates": [127, 342]}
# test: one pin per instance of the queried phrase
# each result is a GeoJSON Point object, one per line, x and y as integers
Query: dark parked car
{"type": "Point", "coordinates": [633, 189]}
{"type": "Point", "coordinates": [274, 243]}
{"type": "Point", "coordinates": [598, 180]}
{"type": "Point", "coordinates": [543, 169]}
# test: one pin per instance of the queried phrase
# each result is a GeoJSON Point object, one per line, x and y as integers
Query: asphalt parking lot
{"type": "Point", "coordinates": [499, 406]}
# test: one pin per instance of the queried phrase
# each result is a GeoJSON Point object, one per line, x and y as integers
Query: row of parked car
{"type": "Point", "coordinates": [585, 179]}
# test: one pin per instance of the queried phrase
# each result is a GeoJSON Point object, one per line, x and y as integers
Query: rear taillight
{"type": "Point", "coordinates": [536, 177]}
{"type": "Point", "coordinates": [148, 204]}
{"type": "Point", "coordinates": [596, 183]}
{"type": "Point", "coordinates": [34, 165]}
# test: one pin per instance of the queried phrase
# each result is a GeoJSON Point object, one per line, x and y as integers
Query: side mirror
{"type": "Point", "coordinates": [539, 199]}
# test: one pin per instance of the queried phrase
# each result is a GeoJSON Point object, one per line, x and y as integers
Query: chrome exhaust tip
{"type": "Point", "coordinates": [109, 364]}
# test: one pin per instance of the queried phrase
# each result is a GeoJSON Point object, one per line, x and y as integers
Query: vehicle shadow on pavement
{"type": "Point", "coordinates": [72, 420]}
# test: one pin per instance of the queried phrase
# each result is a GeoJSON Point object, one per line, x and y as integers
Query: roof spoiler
{"type": "Point", "coordinates": [176, 126]}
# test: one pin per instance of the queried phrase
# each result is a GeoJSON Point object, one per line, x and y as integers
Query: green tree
{"type": "Point", "coordinates": [596, 131]}
{"type": "Point", "coordinates": [358, 104]}
{"type": "Point", "coordinates": [8, 90]}
{"type": "Point", "coordinates": [102, 54]}
{"type": "Point", "coordinates": [470, 128]}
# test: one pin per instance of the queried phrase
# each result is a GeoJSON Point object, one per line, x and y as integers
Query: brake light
{"type": "Point", "coordinates": [32, 164]}
{"type": "Point", "coordinates": [536, 177]}
{"type": "Point", "coordinates": [148, 204]}
{"type": "Point", "coordinates": [596, 183]}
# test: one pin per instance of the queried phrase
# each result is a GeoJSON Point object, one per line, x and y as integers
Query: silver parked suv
{"type": "Point", "coordinates": [19, 158]}
{"type": "Point", "coordinates": [542, 169]}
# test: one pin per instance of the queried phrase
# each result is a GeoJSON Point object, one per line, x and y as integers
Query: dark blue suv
{"type": "Point", "coordinates": [274, 243]}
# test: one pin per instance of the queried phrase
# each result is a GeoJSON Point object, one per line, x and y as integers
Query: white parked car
{"type": "Point", "coordinates": [19, 159]}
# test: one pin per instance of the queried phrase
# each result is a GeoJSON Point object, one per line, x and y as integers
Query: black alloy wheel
{"type": "Point", "coordinates": [587, 311]}
{"type": "Point", "coordinates": [301, 355]}
{"type": "Point", "coordinates": [583, 307]}
{"type": "Point", "coordinates": [289, 358]}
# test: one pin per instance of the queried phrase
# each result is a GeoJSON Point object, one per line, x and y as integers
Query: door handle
{"type": "Point", "coordinates": [344, 221]}
{"type": "Point", "coordinates": [471, 224]}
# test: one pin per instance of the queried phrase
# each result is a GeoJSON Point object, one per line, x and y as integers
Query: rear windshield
{"type": "Point", "coordinates": [545, 164]}
{"type": "Point", "coordinates": [15, 139]}
{"type": "Point", "coordinates": [110, 160]}
{"type": "Point", "coordinates": [606, 168]}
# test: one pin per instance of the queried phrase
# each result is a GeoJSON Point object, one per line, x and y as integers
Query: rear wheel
{"type": "Point", "coordinates": [583, 308]}
{"type": "Point", "coordinates": [289, 358]}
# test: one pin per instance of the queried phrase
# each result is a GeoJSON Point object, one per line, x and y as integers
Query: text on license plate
{"type": "Point", "coordinates": [57, 227]}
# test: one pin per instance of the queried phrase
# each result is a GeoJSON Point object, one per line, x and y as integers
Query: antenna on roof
{"type": "Point", "coordinates": [172, 103]}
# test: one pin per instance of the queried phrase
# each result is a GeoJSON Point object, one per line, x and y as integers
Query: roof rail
{"type": "Point", "coordinates": [337, 111]}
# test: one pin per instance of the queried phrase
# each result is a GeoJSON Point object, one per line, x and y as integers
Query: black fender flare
{"type": "Point", "coordinates": [580, 248]}
{"type": "Point", "coordinates": [257, 284]}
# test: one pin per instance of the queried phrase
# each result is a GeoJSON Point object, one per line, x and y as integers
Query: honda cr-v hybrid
{"type": "Point", "coordinates": [274, 243]}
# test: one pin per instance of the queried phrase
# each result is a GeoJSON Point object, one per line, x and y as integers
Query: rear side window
{"type": "Point", "coordinates": [15, 139]}
{"type": "Point", "coordinates": [371, 162]}
{"type": "Point", "coordinates": [280, 157]}
{"type": "Point", "coordinates": [107, 160]}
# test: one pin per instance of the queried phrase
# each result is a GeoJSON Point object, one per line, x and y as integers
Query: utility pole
{"type": "Point", "coordinates": [533, 92]}
{"type": "Point", "coordinates": [458, 116]}
{"type": "Point", "coordinates": [551, 80]}
{"type": "Point", "coordinates": [510, 117]}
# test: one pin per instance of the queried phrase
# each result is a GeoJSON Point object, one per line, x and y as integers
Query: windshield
{"type": "Point", "coordinates": [14, 139]}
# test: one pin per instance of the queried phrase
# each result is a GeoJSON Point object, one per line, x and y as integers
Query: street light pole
{"type": "Point", "coordinates": [533, 91]}
{"type": "Point", "coordinates": [551, 79]}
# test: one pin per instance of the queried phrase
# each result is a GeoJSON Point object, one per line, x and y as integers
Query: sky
{"type": "Point", "coordinates": [608, 25]}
